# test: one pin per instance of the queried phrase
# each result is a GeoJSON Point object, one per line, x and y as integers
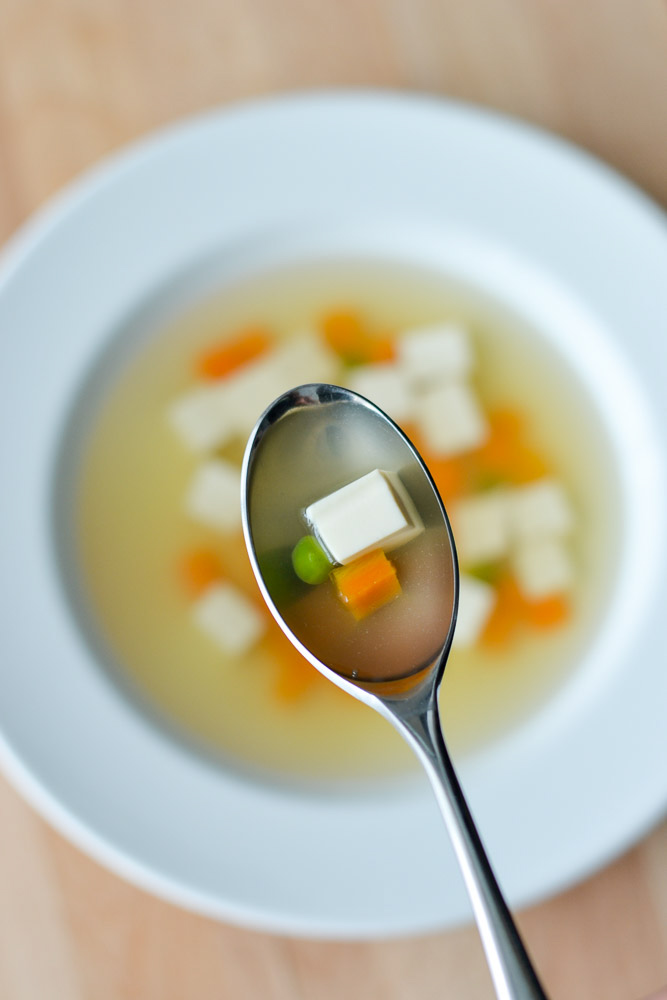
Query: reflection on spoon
{"type": "Point", "coordinates": [319, 460]}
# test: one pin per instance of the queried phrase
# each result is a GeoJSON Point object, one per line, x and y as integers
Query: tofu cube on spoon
{"type": "Point", "coordinates": [373, 512]}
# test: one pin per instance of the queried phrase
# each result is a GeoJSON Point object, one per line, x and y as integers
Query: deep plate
{"type": "Point", "coordinates": [562, 239]}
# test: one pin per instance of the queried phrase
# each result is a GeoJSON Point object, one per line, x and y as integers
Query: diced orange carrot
{"type": "Point", "coordinates": [346, 333]}
{"type": "Point", "coordinates": [503, 440]}
{"type": "Point", "coordinates": [507, 423]}
{"type": "Point", "coordinates": [527, 465]}
{"type": "Point", "coordinates": [367, 584]}
{"type": "Point", "coordinates": [449, 476]}
{"type": "Point", "coordinates": [294, 679]}
{"type": "Point", "coordinates": [377, 349]}
{"type": "Point", "coordinates": [548, 612]}
{"type": "Point", "coordinates": [504, 455]}
{"type": "Point", "coordinates": [507, 615]}
{"type": "Point", "coordinates": [295, 675]}
{"type": "Point", "coordinates": [221, 359]}
{"type": "Point", "coordinates": [343, 331]}
{"type": "Point", "coordinates": [498, 630]}
{"type": "Point", "coordinates": [199, 569]}
{"type": "Point", "coordinates": [512, 609]}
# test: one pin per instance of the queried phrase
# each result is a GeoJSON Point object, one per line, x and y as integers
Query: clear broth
{"type": "Point", "coordinates": [132, 525]}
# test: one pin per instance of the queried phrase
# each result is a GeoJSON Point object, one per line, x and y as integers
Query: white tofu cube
{"type": "Point", "coordinates": [303, 359]}
{"type": "Point", "coordinates": [435, 353]}
{"type": "Point", "coordinates": [476, 602]}
{"type": "Point", "coordinates": [306, 358]}
{"type": "Point", "coordinates": [229, 618]}
{"type": "Point", "coordinates": [203, 418]}
{"type": "Point", "coordinates": [540, 509]}
{"type": "Point", "coordinates": [214, 496]}
{"type": "Point", "coordinates": [450, 418]}
{"type": "Point", "coordinates": [481, 528]}
{"type": "Point", "coordinates": [385, 385]}
{"type": "Point", "coordinates": [252, 390]}
{"type": "Point", "coordinates": [209, 416]}
{"type": "Point", "coordinates": [542, 568]}
{"type": "Point", "coordinates": [374, 512]}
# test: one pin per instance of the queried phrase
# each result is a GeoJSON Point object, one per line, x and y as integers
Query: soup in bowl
{"type": "Point", "coordinates": [511, 437]}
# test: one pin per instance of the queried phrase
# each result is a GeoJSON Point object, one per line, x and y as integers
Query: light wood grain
{"type": "Point", "coordinates": [78, 78]}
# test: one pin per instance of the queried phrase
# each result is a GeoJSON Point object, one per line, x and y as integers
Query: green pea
{"type": "Point", "coordinates": [487, 572]}
{"type": "Point", "coordinates": [310, 561]}
{"type": "Point", "coordinates": [489, 481]}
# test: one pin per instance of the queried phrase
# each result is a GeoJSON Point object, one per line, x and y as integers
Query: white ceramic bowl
{"type": "Point", "coordinates": [544, 228]}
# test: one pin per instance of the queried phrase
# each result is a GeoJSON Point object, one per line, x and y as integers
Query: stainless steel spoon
{"type": "Point", "coordinates": [307, 443]}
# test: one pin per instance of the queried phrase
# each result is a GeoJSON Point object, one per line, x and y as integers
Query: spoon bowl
{"type": "Point", "coordinates": [310, 442]}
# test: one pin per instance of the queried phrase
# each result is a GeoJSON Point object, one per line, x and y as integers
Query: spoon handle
{"type": "Point", "coordinates": [512, 972]}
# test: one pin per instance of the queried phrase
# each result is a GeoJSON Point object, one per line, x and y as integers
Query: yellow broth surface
{"type": "Point", "coordinates": [133, 529]}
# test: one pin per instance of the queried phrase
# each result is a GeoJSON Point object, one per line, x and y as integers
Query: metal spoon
{"type": "Point", "coordinates": [309, 442]}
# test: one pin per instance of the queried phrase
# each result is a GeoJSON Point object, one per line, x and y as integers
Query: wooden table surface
{"type": "Point", "coordinates": [78, 78]}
